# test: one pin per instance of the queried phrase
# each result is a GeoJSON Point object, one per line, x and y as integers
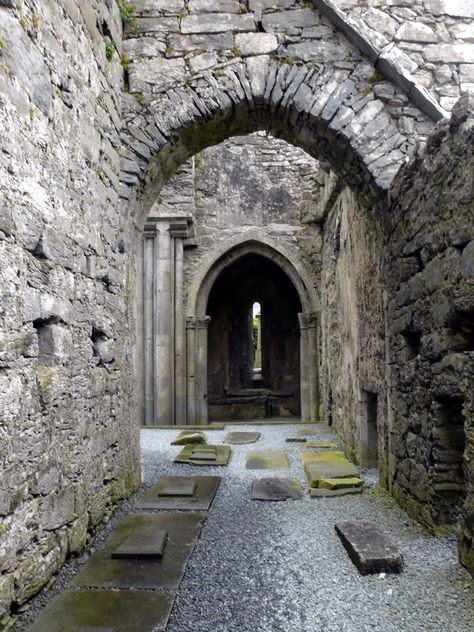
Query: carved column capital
{"type": "Point", "coordinates": [197, 322]}
{"type": "Point", "coordinates": [309, 320]}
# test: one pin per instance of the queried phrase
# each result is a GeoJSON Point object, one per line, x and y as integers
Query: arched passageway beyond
{"type": "Point", "coordinates": [234, 390]}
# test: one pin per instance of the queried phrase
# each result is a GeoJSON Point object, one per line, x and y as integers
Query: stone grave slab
{"type": "Point", "coordinates": [242, 438]}
{"type": "Point", "coordinates": [275, 489]}
{"type": "Point", "coordinates": [102, 571]}
{"type": "Point", "coordinates": [316, 492]}
{"type": "Point", "coordinates": [326, 470]}
{"type": "Point", "coordinates": [188, 437]}
{"type": "Point", "coordinates": [222, 454]}
{"type": "Point", "coordinates": [185, 488]}
{"type": "Point", "coordinates": [321, 444]}
{"type": "Point", "coordinates": [340, 483]}
{"type": "Point", "coordinates": [105, 611]}
{"type": "Point", "coordinates": [267, 460]}
{"type": "Point", "coordinates": [370, 550]}
{"type": "Point", "coordinates": [204, 453]}
{"type": "Point", "coordinates": [309, 431]}
{"type": "Point", "coordinates": [333, 456]}
{"type": "Point", "coordinates": [144, 543]}
{"type": "Point", "coordinates": [205, 488]}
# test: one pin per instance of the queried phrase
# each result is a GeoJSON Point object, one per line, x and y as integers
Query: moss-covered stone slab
{"type": "Point", "coordinates": [100, 611]}
{"type": "Point", "coordinates": [101, 571]}
{"type": "Point", "coordinates": [327, 445]}
{"type": "Point", "coordinates": [333, 456]}
{"type": "Point", "coordinates": [267, 460]}
{"type": "Point", "coordinates": [201, 500]}
{"type": "Point", "coordinates": [309, 431]}
{"type": "Point", "coordinates": [317, 471]}
{"type": "Point", "coordinates": [276, 489]}
{"type": "Point", "coordinates": [340, 483]}
{"type": "Point", "coordinates": [316, 492]}
{"type": "Point", "coordinates": [202, 457]}
{"type": "Point", "coordinates": [326, 465]}
{"type": "Point", "coordinates": [189, 437]}
{"type": "Point", "coordinates": [242, 438]}
{"type": "Point", "coordinates": [370, 550]}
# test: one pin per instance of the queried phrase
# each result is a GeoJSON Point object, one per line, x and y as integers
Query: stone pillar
{"type": "Point", "coordinates": [309, 362]}
{"type": "Point", "coordinates": [196, 348]}
{"type": "Point", "coordinates": [163, 338]}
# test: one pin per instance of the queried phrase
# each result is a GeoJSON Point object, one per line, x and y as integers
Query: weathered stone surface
{"type": "Point", "coordinates": [183, 488]}
{"type": "Point", "coordinates": [119, 611]}
{"type": "Point", "coordinates": [144, 72]}
{"type": "Point", "coordinates": [187, 437]}
{"type": "Point", "coordinates": [22, 58]}
{"type": "Point", "coordinates": [338, 482]}
{"type": "Point", "coordinates": [242, 437]}
{"type": "Point", "coordinates": [268, 460]}
{"type": "Point", "coordinates": [104, 572]}
{"type": "Point", "coordinates": [285, 20]}
{"type": "Point", "coordinates": [256, 43]}
{"type": "Point", "coordinates": [416, 32]}
{"type": "Point", "coordinates": [201, 499]}
{"type": "Point", "coordinates": [319, 492]}
{"type": "Point", "coordinates": [210, 6]}
{"type": "Point", "coordinates": [142, 544]}
{"type": "Point", "coordinates": [370, 550]}
{"type": "Point", "coordinates": [456, 8]}
{"type": "Point", "coordinates": [276, 489]}
{"type": "Point", "coordinates": [217, 23]}
{"type": "Point", "coordinates": [217, 455]}
{"type": "Point", "coordinates": [449, 53]}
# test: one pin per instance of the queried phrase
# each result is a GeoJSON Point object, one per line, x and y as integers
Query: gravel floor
{"type": "Point", "coordinates": [272, 567]}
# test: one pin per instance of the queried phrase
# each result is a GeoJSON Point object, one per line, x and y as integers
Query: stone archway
{"type": "Point", "coordinates": [197, 322]}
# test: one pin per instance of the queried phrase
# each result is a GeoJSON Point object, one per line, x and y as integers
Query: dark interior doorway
{"type": "Point", "coordinates": [239, 341]}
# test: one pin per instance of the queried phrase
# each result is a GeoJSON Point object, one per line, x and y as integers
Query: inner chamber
{"type": "Point", "coordinates": [253, 361]}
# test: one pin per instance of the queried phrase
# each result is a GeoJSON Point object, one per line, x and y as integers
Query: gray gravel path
{"type": "Point", "coordinates": [280, 567]}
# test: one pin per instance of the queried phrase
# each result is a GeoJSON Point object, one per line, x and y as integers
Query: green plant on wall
{"type": "Point", "coordinates": [127, 12]}
{"type": "Point", "coordinates": [109, 49]}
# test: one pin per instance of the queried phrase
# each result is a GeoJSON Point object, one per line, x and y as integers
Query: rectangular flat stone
{"type": "Point", "coordinates": [102, 571]}
{"type": "Point", "coordinates": [241, 438]}
{"type": "Point", "coordinates": [369, 550]}
{"type": "Point", "coordinates": [317, 492]}
{"type": "Point", "coordinates": [201, 500]}
{"type": "Point", "coordinates": [276, 489]}
{"type": "Point", "coordinates": [268, 460]}
{"type": "Point", "coordinates": [315, 472]}
{"type": "Point", "coordinates": [143, 543]}
{"type": "Point", "coordinates": [217, 23]}
{"type": "Point", "coordinates": [184, 488]}
{"type": "Point", "coordinates": [309, 431]}
{"type": "Point", "coordinates": [339, 483]}
{"type": "Point", "coordinates": [105, 611]}
{"type": "Point", "coordinates": [221, 455]}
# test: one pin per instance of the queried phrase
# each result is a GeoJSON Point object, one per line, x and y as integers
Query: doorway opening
{"type": "Point", "coordinates": [253, 342]}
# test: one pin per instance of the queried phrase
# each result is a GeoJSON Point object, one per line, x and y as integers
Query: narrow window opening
{"type": "Point", "coordinates": [413, 343]}
{"type": "Point", "coordinates": [369, 430]}
{"type": "Point", "coordinates": [257, 342]}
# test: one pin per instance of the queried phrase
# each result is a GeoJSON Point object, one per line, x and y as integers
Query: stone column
{"type": "Point", "coordinates": [196, 350]}
{"type": "Point", "coordinates": [201, 369]}
{"type": "Point", "coordinates": [309, 366]}
{"type": "Point", "coordinates": [163, 338]}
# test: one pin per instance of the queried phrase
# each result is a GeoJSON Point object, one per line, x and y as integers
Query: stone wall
{"type": "Point", "coordinates": [431, 276]}
{"type": "Point", "coordinates": [432, 39]}
{"type": "Point", "coordinates": [68, 452]}
{"type": "Point", "coordinates": [352, 325]}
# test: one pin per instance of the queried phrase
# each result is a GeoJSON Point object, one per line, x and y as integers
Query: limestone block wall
{"type": "Point", "coordinates": [431, 276]}
{"type": "Point", "coordinates": [352, 326]}
{"type": "Point", "coordinates": [255, 185]}
{"type": "Point", "coordinates": [68, 444]}
{"type": "Point", "coordinates": [432, 39]}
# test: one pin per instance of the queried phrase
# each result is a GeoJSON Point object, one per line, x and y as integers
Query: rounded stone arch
{"type": "Point", "coordinates": [256, 243]}
{"type": "Point", "coordinates": [320, 109]}
{"type": "Point", "coordinates": [253, 242]}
